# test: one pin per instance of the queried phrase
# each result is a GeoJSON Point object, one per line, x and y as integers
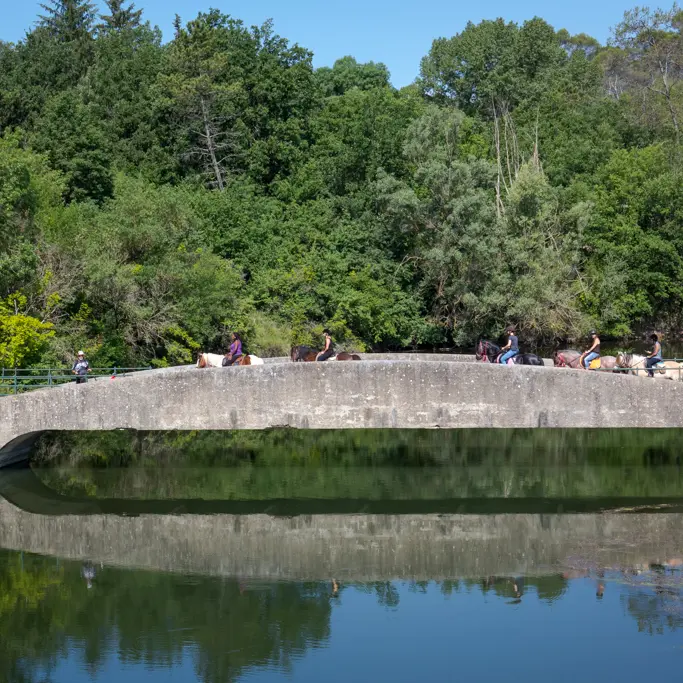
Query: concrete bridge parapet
{"type": "Point", "coordinates": [376, 395]}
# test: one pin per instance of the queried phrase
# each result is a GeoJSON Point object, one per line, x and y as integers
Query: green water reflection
{"type": "Point", "coordinates": [368, 465]}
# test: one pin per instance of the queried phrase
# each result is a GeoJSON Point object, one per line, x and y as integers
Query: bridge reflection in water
{"type": "Point", "coordinates": [275, 569]}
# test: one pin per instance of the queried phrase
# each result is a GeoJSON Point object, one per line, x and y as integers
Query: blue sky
{"type": "Point", "coordinates": [396, 32]}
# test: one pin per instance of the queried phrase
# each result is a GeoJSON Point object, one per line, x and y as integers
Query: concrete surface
{"type": "Point", "coordinates": [379, 394]}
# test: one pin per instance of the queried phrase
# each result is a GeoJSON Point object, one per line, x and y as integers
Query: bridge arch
{"type": "Point", "coordinates": [368, 395]}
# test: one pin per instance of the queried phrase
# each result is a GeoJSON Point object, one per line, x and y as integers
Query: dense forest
{"type": "Point", "coordinates": [155, 195]}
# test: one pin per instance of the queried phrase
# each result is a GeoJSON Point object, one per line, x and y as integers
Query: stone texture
{"type": "Point", "coordinates": [378, 395]}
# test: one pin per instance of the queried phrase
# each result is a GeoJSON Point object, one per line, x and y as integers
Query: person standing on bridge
{"type": "Point", "coordinates": [511, 349]}
{"type": "Point", "coordinates": [81, 368]}
{"type": "Point", "coordinates": [328, 350]}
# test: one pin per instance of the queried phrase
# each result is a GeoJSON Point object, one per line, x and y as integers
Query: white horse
{"type": "Point", "coordinates": [664, 370]}
{"type": "Point", "coordinates": [251, 359]}
{"type": "Point", "coordinates": [215, 360]}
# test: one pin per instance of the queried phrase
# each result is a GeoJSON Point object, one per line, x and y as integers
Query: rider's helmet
{"type": "Point", "coordinates": [593, 333]}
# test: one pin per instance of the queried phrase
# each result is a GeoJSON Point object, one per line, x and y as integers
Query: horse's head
{"type": "Point", "coordinates": [623, 360]}
{"type": "Point", "coordinates": [559, 360]}
{"type": "Point", "coordinates": [487, 351]}
{"type": "Point", "coordinates": [201, 360]}
{"type": "Point", "coordinates": [294, 354]}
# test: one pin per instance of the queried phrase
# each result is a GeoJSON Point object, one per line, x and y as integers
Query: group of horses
{"type": "Point", "coordinates": [630, 362]}
{"type": "Point", "coordinates": [306, 354]}
{"type": "Point", "coordinates": [298, 354]}
{"type": "Point", "coordinates": [488, 352]}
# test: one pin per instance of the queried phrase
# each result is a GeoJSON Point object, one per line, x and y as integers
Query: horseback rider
{"type": "Point", "coordinates": [587, 357]}
{"type": "Point", "coordinates": [328, 350]}
{"type": "Point", "coordinates": [234, 355]}
{"type": "Point", "coordinates": [511, 349]}
{"type": "Point", "coordinates": [654, 357]}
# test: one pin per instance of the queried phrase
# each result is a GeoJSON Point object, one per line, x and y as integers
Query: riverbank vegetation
{"type": "Point", "coordinates": [155, 195]}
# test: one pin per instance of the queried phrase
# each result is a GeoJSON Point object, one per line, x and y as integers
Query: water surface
{"type": "Point", "coordinates": [75, 622]}
{"type": "Point", "coordinates": [526, 555]}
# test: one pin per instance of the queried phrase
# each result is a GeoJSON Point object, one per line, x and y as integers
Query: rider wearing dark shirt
{"type": "Point", "coordinates": [654, 357]}
{"type": "Point", "coordinates": [328, 351]}
{"type": "Point", "coordinates": [511, 349]}
{"type": "Point", "coordinates": [81, 368]}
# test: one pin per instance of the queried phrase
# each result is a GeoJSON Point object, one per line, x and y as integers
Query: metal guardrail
{"type": "Point", "coordinates": [13, 381]}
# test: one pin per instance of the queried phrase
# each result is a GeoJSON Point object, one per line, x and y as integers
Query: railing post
{"type": "Point", "coordinates": [114, 371]}
{"type": "Point", "coordinates": [16, 383]}
{"type": "Point", "coordinates": [49, 377]}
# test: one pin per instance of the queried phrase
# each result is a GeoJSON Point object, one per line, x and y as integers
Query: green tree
{"type": "Point", "coordinates": [22, 337]}
{"type": "Point", "coordinates": [72, 137]}
{"type": "Point", "coordinates": [651, 64]}
{"type": "Point", "coordinates": [122, 18]}
{"type": "Point", "coordinates": [639, 207]}
{"type": "Point", "coordinates": [347, 73]}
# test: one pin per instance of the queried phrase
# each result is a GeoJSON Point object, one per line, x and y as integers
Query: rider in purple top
{"type": "Point", "coordinates": [235, 353]}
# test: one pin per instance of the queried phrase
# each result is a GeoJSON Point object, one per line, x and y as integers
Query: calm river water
{"type": "Point", "coordinates": [356, 556]}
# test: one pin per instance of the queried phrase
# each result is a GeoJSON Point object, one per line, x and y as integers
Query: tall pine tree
{"type": "Point", "coordinates": [121, 18]}
{"type": "Point", "coordinates": [69, 20]}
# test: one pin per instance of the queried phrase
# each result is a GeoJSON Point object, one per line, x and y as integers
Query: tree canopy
{"type": "Point", "coordinates": [156, 196]}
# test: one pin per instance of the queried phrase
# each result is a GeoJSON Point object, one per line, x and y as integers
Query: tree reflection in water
{"type": "Point", "coordinates": [229, 626]}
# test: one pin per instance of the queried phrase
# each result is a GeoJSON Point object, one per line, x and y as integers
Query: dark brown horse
{"type": "Point", "coordinates": [305, 354]}
{"type": "Point", "coordinates": [344, 355]}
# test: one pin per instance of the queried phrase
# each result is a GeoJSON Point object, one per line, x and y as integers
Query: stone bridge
{"type": "Point", "coordinates": [411, 393]}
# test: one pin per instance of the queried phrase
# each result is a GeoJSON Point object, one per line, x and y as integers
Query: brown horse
{"type": "Point", "coordinates": [305, 354]}
{"type": "Point", "coordinates": [347, 356]}
{"type": "Point", "coordinates": [568, 358]}
{"type": "Point", "coordinates": [604, 363]}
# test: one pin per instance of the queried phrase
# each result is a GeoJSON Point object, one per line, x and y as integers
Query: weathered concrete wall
{"type": "Point", "coordinates": [354, 547]}
{"type": "Point", "coordinates": [380, 394]}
